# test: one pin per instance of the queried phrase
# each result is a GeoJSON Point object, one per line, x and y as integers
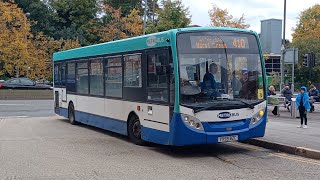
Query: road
{"type": "Point", "coordinates": [26, 108]}
{"type": "Point", "coordinates": [51, 148]}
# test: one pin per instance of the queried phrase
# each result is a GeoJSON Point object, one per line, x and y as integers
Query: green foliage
{"type": "Point", "coordinates": [172, 15]}
{"type": "Point", "coordinates": [38, 10]}
{"type": "Point", "coordinates": [306, 38]}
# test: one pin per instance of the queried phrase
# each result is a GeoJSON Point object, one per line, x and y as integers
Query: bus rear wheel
{"type": "Point", "coordinates": [71, 113]}
{"type": "Point", "coordinates": [134, 130]}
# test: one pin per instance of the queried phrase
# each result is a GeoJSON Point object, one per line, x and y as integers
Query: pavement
{"type": "Point", "coordinates": [282, 134]}
{"type": "Point", "coordinates": [51, 148]}
{"type": "Point", "coordinates": [26, 108]}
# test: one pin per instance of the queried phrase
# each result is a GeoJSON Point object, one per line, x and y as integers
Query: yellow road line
{"type": "Point", "coordinates": [294, 158]}
{"type": "Point", "coordinates": [248, 147]}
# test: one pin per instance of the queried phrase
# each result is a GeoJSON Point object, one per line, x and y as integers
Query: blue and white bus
{"type": "Point", "coordinates": [179, 87]}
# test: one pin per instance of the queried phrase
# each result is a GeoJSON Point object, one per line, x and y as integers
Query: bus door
{"type": "Point", "coordinates": [158, 74]}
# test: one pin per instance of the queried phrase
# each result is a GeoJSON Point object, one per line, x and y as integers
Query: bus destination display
{"type": "Point", "coordinates": [217, 42]}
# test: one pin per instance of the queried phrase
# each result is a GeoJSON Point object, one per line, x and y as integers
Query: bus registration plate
{"type": "Point", "coordinates": [228, 138]}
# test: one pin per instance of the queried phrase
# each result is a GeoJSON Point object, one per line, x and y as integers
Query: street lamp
{"type": "Point", "coordinates": [145, 16]}
{"type": "Point", "coordinates": [25, 25]}
{"type": "Point", "coordinates": [283, 44]}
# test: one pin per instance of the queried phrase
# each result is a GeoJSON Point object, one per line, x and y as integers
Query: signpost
{"type": "Point", "coordinates": [291, 57]}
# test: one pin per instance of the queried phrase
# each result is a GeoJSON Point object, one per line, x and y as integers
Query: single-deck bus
{"type": "Point", "coordinates": [180, 87]}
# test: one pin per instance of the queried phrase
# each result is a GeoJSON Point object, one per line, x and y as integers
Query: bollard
{"type": "Point", "coordinates": [294, 110]}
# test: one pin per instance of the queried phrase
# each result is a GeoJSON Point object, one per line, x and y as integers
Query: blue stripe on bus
{"type": "Point", "coordinates": [102, 122]}
{"type": "Point", "coordinates": [179, 135]}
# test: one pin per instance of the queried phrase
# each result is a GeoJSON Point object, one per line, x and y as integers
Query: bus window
{"type": "Point", "coordinates": [71, 77]}
{"type": "Point", "coordinates": [82, 78]}
{"type": "Point", "coordinates": [96, 77]}
{"type": "Point", "coordinates": [157, 76]}
{"type": "Point", "coordinates": [113, 77]}
{"type": "Point", "coordinates": [56, 75]}
{"type": "Point", "coordinates": [132, 71]}
{"type": "Point", "coordinates": [63, 75]}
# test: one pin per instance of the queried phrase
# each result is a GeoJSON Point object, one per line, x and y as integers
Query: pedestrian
{"type": "Point", "coordinates": [314, 95]}
{"type": "Point", "coordinates": [272, 91]}
{"type": "Point", "coordinates": [303, 105]}
{"type": "Point", "coordinates": [287, 93]}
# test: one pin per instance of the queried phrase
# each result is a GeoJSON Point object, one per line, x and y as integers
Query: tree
{"type": "Point", "coordinates": [39, 9]}
{"type": "Point", "coordinates": [21, 52]}
{"type": "Point", "coordinates": [14, 39]}
{"type": "Point", "coordinates": [220, 17]}
{"type": "Point", "coordinates": [72, 19]}
{"type": "Point", "coordinates": [306, 38]}
{"type": "Point", "coordinates": [172, 15]}
{"type": "Point", "coordinates": [125, 5]}
{"type": "Point", "coordinates": [115, 26]}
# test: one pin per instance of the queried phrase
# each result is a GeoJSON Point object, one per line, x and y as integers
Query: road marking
{"type": "Point", "coordinates": [14, 104]}
{"type": "Point", "coordinates": [248, 147]}
{"type": "Point", "coordinates": [294, 158]}
{"type": "Point", "coordinates": [7, 117]}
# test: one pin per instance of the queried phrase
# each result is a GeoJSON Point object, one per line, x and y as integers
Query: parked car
{"type": "Point", "coordinates": [1, 82]}
{"type": "Point", "coordinates": [23, 83]}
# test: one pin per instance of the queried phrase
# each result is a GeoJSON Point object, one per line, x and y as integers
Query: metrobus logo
{"type": "Point", "coordinates": [153, 40]}
{"type": "Point", "coordinates": [226, 115]}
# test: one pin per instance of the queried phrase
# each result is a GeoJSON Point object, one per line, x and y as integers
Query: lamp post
{"type": "Point", "coordinates": [26, 38]}
{"type": "Point", "coordinates": [145, 16]}
{"type": "Point", "coordinates": [283, 44]}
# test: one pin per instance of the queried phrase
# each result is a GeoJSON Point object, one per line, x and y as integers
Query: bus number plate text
{"type": "Point", "coordinates": [228, 138]}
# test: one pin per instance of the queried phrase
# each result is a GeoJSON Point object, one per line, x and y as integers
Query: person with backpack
{"type": "Point", "coordinates": [303, 104]}
{"type": "Point", "coordinates": [314, 95]}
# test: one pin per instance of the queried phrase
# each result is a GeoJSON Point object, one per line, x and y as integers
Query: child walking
{"type": "Point", "coordinates": [303, 105]}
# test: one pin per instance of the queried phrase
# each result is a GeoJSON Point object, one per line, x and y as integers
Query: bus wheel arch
{"type": "Point", "coordinates": [71, 113]}
{"type": "Point", "coordinates": [134, 128]}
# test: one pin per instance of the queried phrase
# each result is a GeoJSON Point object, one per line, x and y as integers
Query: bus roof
{"type": "Point", "coordinates": [131, 44]}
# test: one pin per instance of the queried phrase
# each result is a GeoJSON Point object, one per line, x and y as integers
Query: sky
{"type": "Point", "coordinates": [254, 11]}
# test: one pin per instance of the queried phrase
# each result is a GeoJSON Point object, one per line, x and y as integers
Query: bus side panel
{"type": "Point", "coordinates": [155, 123]}
{"type": "Point", "coordinates": [60, 102]}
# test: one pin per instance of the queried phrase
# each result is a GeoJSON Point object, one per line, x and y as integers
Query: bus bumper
{"type": "Point", "coordinates": [182, 135]}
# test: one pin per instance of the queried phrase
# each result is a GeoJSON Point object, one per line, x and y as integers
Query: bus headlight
{"type": "Point", "coordinates": [257, 117]}
{"type": "Point", "coordinates": [192, 122]}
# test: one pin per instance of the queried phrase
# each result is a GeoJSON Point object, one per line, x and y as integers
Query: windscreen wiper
{"type": "Point", "coordinates": [204, 108]}
{"type": "Point", "coordinates": [243, 102]}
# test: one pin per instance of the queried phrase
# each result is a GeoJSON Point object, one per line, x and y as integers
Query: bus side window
{"type": "Point", "coordinates": [57, 75]}
{"type": "Point", "coordinates": [82, 78]}
{"type": "Point", "coordinates": [113, 77]}
{"type": "Point", "coordinates": [63, 75]}
{"type": "Point", "coordinates": [71, 77]}
{"type": "Point", "coordinates": [157, 78]}
{"type": "Point", "coordinates": [96, 77]}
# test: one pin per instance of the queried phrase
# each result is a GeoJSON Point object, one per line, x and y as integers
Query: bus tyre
{"type": "Point", "coordinates": [134, 130]}
{"type": "Point", "coordinates": [72, 117]}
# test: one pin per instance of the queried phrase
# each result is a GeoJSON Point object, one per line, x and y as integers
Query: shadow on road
{"type": "Point", "coordinates": [214, 150]}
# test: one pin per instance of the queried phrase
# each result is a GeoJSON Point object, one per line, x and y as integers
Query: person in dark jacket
{"type": "Point", "coordinates": [314, 95]}
{"type": "Point", "coordinates": [209, 85]}
{"type": "Point", "coordinates": [303, 104]}
{"type": "Point", "coordinates": [287, 93]}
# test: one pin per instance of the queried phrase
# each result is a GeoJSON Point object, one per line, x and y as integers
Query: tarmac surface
{"type": "Point", "coordinates": [51, 148]}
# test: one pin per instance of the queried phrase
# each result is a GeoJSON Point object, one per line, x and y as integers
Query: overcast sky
{"type": "Point", "coordinates": [254, 10]}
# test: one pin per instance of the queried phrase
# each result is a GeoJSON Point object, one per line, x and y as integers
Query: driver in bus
{"type": "Point", "coordinates": [209, 85]}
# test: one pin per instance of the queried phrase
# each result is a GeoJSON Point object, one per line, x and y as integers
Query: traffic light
{"type": "Point", "coordinates": [306, 60]}
{"type": "Point", "coordinates": [312, 59]}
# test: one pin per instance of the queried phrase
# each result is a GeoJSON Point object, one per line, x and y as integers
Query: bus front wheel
{"type": "Point", "coordinates": [134, 130]}
{"type": "Point", "coordinates": [71, 113]}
